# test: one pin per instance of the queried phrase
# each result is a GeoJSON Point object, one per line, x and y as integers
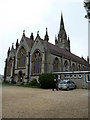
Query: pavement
{"type": "Point", "coordinates": [21, 102]}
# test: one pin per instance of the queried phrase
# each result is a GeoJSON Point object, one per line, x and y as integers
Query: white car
{"type": "Point", "coordinates": [66, 84]}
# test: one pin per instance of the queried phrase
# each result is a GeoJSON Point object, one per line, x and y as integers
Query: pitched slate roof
{"type": "Point", "coordinates": [28, 40]}
{"type": "Point", "coordinates": [62, 52]}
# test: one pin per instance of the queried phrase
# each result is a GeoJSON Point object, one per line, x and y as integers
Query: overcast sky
{"type": "Point", "coordinates": [34, 15]}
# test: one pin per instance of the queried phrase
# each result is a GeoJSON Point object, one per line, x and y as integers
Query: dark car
{"type": "Point", "coordinates": [66, 84]}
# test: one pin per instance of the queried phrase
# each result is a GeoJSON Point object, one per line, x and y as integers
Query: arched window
{"type": "Point", "coordinates": [9, 66]}
{"type": "Point", "coordinates": [56, 65]}
{"type": "Point", "coordinates": [78, 67]}
{"type": "Point", "coordinates": [66, 65]}
{"type": "Point", "coordinates": [22, 57]}
{"type": "Point", "coordinates": [73, 66]}
{"type": "Point", "coordinates": [36, 62]}
{"type": "Point", "coordinates": [83, 67]}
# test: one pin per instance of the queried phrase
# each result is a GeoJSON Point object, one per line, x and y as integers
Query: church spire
{"type": "Point", "coordinates": [62, 22]}
{"type": "Point", "coordinates": [62, 33]}
{"type": "Point", "coordinates": [62, 40]}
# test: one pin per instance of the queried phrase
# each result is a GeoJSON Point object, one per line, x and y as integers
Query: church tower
{"type": "Point", "coordinates": [62, 41]}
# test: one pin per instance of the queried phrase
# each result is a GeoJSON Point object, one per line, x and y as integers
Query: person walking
{"type": "Point", "coordinates": [55, 84]}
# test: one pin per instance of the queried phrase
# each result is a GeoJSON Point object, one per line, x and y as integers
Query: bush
{"type": "Point", "coordinates": [46, 80]}
{"type": "Point", "coordinates": [5, 82]}
{"type": "Point", "coordinates": [34, 83]}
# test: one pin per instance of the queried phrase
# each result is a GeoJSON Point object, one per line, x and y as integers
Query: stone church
{"type": "Point", "coordinates": [31, 57]}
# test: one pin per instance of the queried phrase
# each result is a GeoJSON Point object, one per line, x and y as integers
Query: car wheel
{"type": "Point", "coordinates": [75, 87]}
{"type": "Point", "coordinates": [67, 88]}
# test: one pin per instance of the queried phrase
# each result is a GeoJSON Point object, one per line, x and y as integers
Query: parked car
{"type": "Point", "coordinates": [66, 84]}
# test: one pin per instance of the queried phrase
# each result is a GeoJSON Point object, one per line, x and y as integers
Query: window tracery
{"type": "Point", "coordinates": [56, 65]}
{"type": "Point", "coordinates": [22, 58]}
{"type": "Point", "coordinates": [36, 62]}
{"type": "Point", "coordinates": [66, 65]}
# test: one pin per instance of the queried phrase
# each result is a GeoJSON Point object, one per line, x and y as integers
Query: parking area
{"type": "Point", "coordinates": [21, 102]}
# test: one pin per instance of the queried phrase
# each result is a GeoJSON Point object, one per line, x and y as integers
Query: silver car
{"type": "Point", "coordinates": [66, 84]}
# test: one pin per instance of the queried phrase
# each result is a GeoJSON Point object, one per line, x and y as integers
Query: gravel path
{"type": "Point", "coordinates": [21, 102]}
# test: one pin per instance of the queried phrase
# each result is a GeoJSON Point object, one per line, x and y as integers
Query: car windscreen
{"type": "Point", "coordinates": [63, 82]}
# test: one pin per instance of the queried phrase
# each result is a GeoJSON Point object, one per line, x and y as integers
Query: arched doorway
{"type": "Point", "coordinates": [20, 76]}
